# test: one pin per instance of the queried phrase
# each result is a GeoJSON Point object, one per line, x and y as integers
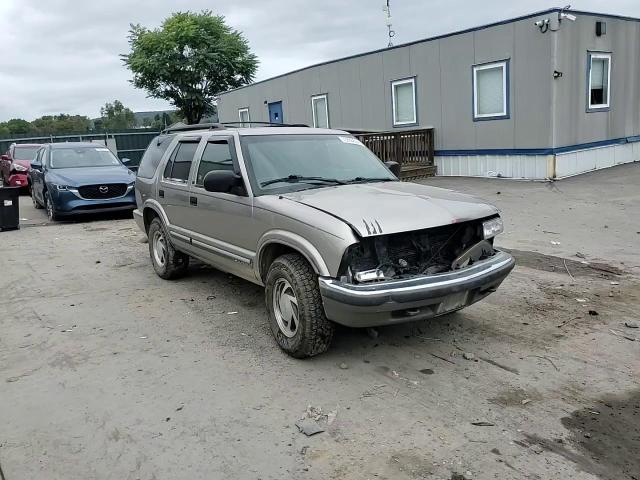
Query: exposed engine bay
{"type": "Point", "coordinates": [420, 252]}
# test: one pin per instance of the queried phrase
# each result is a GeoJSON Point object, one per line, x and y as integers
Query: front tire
{"type": "Point", "coordinates": [168, 262]}
{"type": "Point", "coordinates": [294, 305]}
{"type": "Point", "coordinates": [51, 209]}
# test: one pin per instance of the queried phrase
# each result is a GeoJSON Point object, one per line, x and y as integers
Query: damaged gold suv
{"type": "Point", "coordinates": [321, 222]}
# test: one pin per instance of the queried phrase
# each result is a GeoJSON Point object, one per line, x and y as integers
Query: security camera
{"type": "Point", "coordinates": [539, 23]}
{"type": "Point", "coordinates": [568, 16]}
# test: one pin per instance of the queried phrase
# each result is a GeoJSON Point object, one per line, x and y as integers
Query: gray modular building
{"type": "Point", "coordinates": [546, 95]}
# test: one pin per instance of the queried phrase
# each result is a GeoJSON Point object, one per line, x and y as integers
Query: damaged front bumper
{"type": "Point", "coordinates": [418, 298]}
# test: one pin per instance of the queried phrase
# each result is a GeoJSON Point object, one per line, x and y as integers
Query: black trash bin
{"type": "Point", "coordinates": [9, 208]}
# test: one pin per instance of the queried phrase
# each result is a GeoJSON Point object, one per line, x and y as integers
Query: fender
{"type": "Point", "coordinates": [155, 206]}
{"type": "Point", "coordinates": [295, 241]}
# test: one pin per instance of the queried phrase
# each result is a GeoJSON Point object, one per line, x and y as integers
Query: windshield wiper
{"type": "Point", "coordinates": [368, 179]}
{"type": "Point", "coordinates": [301, 178]}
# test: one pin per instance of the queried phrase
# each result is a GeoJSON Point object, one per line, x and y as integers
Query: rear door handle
{"type": "Point", "coordinates": [193, 201]}
{"type": "Point", "coordinates": [161, 193]}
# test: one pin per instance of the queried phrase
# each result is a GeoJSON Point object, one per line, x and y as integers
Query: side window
{"type": "Point", "coordinates": [179, 164]}
{"type": "Point", "coordinates": [153, 154]}
{"type": "Point", "coordinates": [43, 157]}
{"type": "Point", "coordinates": [599, 65]}
{"type": "Point", "coordinates": [217, 155]}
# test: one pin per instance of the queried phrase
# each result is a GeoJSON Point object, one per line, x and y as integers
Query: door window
{"type": "Point", "coordinates": [178, 166]}
{"type": "Point", "coordinates": [217, 155]}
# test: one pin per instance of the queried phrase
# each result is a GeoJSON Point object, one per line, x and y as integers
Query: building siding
{"type": "Point", "coordinates": [545, 113]}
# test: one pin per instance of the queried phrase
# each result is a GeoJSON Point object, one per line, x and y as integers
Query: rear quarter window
{"type": "Point", "coordinates": [153, 154]}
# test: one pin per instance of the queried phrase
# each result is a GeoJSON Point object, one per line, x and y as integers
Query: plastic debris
{"type": "Point", "coordinates": [309, 427]}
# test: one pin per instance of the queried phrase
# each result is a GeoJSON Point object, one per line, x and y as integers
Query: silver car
{"type": "Point", "coordinates": [318, 220]}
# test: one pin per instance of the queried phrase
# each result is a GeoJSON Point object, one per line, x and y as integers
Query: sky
{"type": "Point", "coordinates": [62, 56]}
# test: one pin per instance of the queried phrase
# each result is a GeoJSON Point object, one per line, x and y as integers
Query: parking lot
{"type": "Point", "coordinates": [109, 372]}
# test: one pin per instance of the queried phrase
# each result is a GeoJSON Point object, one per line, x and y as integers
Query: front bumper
{"type": "Point", "coordinates": [385, 303]}
{"type": "Point", "coordinates": [68, 203]}
{"type": "Point", "coordinates": [19, 180]}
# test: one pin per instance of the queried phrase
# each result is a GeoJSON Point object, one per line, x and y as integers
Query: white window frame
{"type": "Point", "coordinates": [505, 92]}
{"type": "Point", "coordinates": [600, 106]}
{"type": "Point", "coordinates": [404, 81]}
{"type": "Point", "coordinates": [242, 122]}
{"type": "Point", "coordinates": [326, 108]}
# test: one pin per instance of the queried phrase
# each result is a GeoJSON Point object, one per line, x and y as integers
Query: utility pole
{"type": "Point", "coordinates": [387, 10]}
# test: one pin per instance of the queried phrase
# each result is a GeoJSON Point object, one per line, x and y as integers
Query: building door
{"type": "Point", "coordinates": [275, 112]}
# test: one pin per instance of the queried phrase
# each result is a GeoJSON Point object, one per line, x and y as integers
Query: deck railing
{"type": "Point", "coordinates": [412, 149]}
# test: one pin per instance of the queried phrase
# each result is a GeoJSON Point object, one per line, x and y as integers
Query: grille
{"type": "Point", "coordinates": [102, 191]}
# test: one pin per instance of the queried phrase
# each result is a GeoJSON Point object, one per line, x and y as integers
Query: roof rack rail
{"type": "Point", "coordinates": [268, 124]}
{"type": "Point", "coordinates": [194, 126]}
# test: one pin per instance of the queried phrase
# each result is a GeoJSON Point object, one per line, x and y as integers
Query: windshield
{"type": "Point", "coordinates": [82, 157]}
{"type": "Point", "coordinates": [25, 153]}
{"type": "Point", "coordinates": [286, 163]}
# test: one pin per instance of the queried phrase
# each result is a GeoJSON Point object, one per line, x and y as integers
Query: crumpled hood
{"type": "Point", "coordinates": [24, 163]}
{"type": "Point", "coordinates": [76, 177]}
{"type": "Point", "coordinates": [391, 207]}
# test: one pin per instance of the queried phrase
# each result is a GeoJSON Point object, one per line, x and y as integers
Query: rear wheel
{"type": "Point", "coordinates": [294, 305]}
{"type": "Point", "coordinates": [51, 208]}
{"type": "Point", "coordinates": [168, 262]}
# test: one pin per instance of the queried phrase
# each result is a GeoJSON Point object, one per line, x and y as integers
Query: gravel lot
{"type": "Point", "coordinates": [108, 372]}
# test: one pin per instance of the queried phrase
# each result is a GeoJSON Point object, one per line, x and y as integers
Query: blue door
{"type": "Point", "coordinates": [275, 112]}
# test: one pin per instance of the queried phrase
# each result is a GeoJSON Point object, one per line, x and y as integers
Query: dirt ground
{"type": "Point", "coordinates": [109, 372]}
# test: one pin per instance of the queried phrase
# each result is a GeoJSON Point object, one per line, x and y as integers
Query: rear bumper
{"type": "Point", "coordinates": [385, 303]}
{"type": "Point", "coordinates": [19, 180]}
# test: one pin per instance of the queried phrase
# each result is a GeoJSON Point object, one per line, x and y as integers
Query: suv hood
{"type": "Point", "coordinates": [76, 177]}
{"type": "Point", "coordinates": [392, 207]}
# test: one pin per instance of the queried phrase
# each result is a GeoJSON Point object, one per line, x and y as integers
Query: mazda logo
{"type": "Point", "coordinates": [103, 189]}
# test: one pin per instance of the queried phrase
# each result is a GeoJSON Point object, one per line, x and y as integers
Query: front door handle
{"type": "Point", "coordinates": [161, 193]}
{"type": "Point", "coordinates": [193, 201]}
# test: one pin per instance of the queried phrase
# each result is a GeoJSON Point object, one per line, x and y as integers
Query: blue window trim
{"type": "Point", "coordinates": [415, 102]}
{"type": "Point", "coordinates": [589, 109]}
{"type": "Point", "coordinates": [507, 91]}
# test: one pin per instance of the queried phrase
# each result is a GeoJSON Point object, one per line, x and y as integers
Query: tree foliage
{"type": "Point", "coordinates": [17, 125]}
{"type": "Point", "coordinates": [62, 123]}
{"type": "Point", "coordinates": [115, 116]}
{"type": "Point", "coordinates": [190, 59]}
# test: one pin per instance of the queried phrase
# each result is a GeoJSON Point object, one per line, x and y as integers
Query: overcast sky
{"type": "Point", "coordinates": [62, 55]}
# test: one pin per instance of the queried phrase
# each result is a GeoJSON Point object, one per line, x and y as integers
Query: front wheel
{"type": "Point", "coordinates": [51, 209]}
{"type": "Point", "coordinates": [294, 305]}
{"type": "Point", "coordinates": [168, 262]}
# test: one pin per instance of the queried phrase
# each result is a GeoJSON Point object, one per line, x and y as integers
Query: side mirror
{"type": "Point", "coordinates": [394, 167]}
{"type": "Point", "coordinates": [126, 160]}
{"type": "Point", "coordinates": [221, 181]}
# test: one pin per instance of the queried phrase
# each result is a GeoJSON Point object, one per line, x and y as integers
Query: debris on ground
{"type": "Point", "coordinates": [468, 356]}
{"type": "Point", "coordinates": [525, 401]}
{"type": "Point", "coordinates": [483, 423]}
{"type": "Point", "coordinates": [427, 371]}
{"type": "Point", "coordinates": [614, 283]}
{"type": "Point", "coordinates": [331, 416]}
{"type": "Point", "coordinates": [619, 334]}
{"type": "Point", "coordinates": [372, 332]}
{"type": "Point", "coordinates": [231, 313]}
{"type": "Point", "coordinates": [582, 300]}
{"type": "Point", "coordinates": [631, 324]}
{"type": "Point", "coordinates": [580, 255]}
{"type": "Point", "coordinates": [536, 448]}
{"type": "Point", "coordinates": [344, 366]}
{"type": "Point", "coordinates": [553, 242]}
{"type": "Point", "coordinates": [309, 427]}
{"type": "Point", "coordinates": [593, 313]}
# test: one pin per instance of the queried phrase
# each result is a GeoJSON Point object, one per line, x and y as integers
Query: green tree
{"type": "Point", "coordinates": [18, 125]}
{"type": "Point", "coordinates": [61, 123]}
{"type": "Point", "coordinates": [190, 59]}
{"type": "Point", "coordinates": [115, 116]}
{"type": "Point", "coordinates": [4, 130]}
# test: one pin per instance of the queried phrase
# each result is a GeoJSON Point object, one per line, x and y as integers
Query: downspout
{"type": "Point", "coordinates": [551, 165]}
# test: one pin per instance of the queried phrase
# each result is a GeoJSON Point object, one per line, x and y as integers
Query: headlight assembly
{"type": "Point", "coordinates": [492, 227]}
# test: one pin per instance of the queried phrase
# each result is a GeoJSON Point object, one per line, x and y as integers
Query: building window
{"type": "Point", "coordinates": [320, 110]}
{"type": "Point", "coordinates": [491, 91]}
{"type": "Point", "coordinates": [599, 75]}
{"type": "Point", "coordinates": [403, 94]}
{"type": "Point", "coordinates": [243, 116]}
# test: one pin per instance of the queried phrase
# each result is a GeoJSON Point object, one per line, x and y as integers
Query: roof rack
{"type": "Point", "coordinates": [223, 125]}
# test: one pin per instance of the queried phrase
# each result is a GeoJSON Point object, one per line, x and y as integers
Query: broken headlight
{"type": "Point", "coordinates": [492, 227]}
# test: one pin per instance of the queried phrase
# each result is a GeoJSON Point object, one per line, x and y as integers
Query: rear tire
{"type": "Point", "coordinates": [168, 262]}
{"type": "Point", "coordinates": [294, 305]}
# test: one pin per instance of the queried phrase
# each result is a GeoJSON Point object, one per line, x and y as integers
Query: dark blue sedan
{"type": "Point", "coordinates": [75, 178]}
